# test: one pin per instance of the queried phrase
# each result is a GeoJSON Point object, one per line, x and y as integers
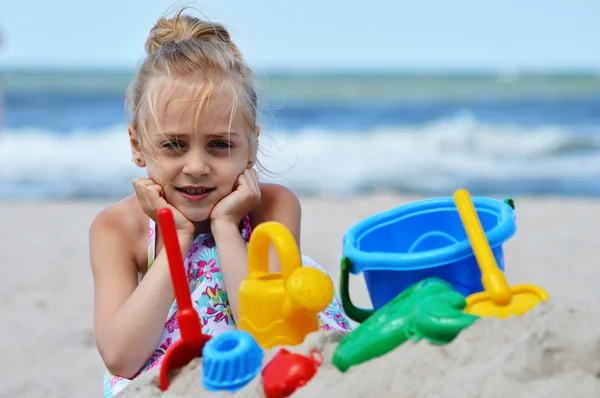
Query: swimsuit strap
{"type": "Point", "coordinates": [151, 243]}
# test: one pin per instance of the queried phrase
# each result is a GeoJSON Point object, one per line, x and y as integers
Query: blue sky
{"type": "Point", "coordinates": [318, 34]}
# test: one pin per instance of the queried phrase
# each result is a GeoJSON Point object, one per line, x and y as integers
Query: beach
{"type": "Point", "coordinates": [48, 349]}
{"type": "Point", "coordinates": [354, 124]}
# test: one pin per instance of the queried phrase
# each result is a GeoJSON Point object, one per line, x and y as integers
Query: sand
{"type": "Point", "coordinates": [47, 345]}
{"type": "Point", "coordinates": [553, 351]}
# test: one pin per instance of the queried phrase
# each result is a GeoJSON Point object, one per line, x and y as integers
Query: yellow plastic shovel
{"type": "Point", "coordinates": [497, 299]}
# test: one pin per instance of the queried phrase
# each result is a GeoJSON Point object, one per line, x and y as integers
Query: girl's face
{"type": "Point", "coordinates": [197, 157]}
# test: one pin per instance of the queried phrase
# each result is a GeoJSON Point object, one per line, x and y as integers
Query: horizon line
{"type": "Point", "coordinates": [273, 71]}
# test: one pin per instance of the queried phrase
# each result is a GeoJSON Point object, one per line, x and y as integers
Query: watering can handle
{"type": "Point", "coordinates": [357, 314]}
{"type": "Point", "coordinates": [285, 245]}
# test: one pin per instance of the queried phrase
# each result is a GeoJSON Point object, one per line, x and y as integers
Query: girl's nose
{"type": "Point", "coordinates": [196, 166]}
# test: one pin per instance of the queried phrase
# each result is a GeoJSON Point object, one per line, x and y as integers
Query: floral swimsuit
{"type": "Point", "coordinates": [210, 301]}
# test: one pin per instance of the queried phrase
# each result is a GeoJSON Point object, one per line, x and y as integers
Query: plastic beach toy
{"type": "Point", "coordinates": [230, 360]}
{"type": "Point", "coordinates": [424, 239]}
{"type": "Point", "coordinates": [280, 308]}
{"type": "Point", "coordinates": [431, 309]}
{"type": "Point", "coordinates": [288, 371]}
{"type": "Point", "coordinates": [498, 299]}
{"type": "Point", "coordinates": [192, 339]}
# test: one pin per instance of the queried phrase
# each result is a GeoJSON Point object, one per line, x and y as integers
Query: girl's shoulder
{"type": "Point", "coordinates": [126, 221]}
{"type": "Point", "coordinates": [275, 194]}
{"type": "Point", "coordinates": [278, 203]}
{"type": "Point", "coordinates": [125, 215]}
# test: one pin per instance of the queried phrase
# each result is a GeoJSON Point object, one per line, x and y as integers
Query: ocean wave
{"type": "Point", "coordinates": [433, 158]}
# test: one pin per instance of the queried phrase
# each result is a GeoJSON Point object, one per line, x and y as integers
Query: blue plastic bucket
{"type": "Point", "coordinates": [404, 245]}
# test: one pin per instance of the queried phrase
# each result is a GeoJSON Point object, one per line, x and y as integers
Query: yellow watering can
{"type": "Point", "coordinates": [280, 308]}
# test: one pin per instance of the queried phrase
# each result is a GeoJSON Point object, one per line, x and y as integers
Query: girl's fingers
{"type": "Point", "coordinates": [149, 193]}
{"type": "Point", "coordinates": [140, 186]}
{"type": "Point", "coordinates": [142, 182]}
{"type": "Point", "coordinates": [155, 196]}
{"type": "Point", "coordinates": [243, 182]}
{"type": "Point", "coordinates": [252, 179]}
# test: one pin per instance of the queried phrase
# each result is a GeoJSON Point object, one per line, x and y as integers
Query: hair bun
{"type": "Point", "coordinates": [185, 27]}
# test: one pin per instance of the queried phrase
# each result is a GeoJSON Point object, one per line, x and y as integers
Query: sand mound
{"type": "Point", "coordinates": [553, 351]}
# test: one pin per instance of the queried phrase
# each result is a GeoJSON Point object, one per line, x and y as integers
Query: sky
{"type": "Point", "coordinates": [502, 35]}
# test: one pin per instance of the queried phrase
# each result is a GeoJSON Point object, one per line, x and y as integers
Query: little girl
{"type": "Point", "coordinates": [193, 128]}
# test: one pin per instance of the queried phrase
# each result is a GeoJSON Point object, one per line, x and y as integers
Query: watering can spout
{"type": "Point", "coordinates": [308, 291]}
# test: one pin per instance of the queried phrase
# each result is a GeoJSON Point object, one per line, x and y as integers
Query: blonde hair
{"type": "Point", "coordinates": [201, 54]}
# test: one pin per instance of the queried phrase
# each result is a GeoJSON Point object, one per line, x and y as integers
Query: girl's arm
{"type": "Point", "coordinates": [277, 204]}
{"type": "Point", "coordinates": [233, 259]}
{"type": "Point", "coordinates": [128, 319]}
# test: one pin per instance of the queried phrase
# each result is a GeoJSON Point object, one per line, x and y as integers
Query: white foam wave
{"type": "Point", "coordinates": [437, 156]}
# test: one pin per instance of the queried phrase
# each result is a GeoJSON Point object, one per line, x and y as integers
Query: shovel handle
{"type": "Point", "coordinates": [176, 266]}
{"type": "Point", "coordinates": [492, 277]}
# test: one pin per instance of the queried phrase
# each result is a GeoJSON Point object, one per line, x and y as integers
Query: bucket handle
{"type": "Point", "coordinates": [258, 249]}
{"type": "Point", "coordinates": [357, 314]}
{"type": "Point", "coordinates": [510, 202]}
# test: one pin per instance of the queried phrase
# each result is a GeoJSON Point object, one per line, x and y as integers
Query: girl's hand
{"type": "Point", "coordinates": [233, 207]}
{"type": "Point", "coordinates": [152, 198]}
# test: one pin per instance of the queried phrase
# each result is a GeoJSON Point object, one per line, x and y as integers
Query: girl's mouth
{"type": "Point", "coordinates": [194, 193]}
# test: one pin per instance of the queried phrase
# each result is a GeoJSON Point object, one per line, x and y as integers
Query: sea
{"type": "Point", "coordinates": [64, 133]}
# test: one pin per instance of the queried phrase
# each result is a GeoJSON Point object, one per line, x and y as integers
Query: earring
{"type": "Point", "coordinates": [138, 159]}
{"type": "Point", "coordinates": [249, 161]}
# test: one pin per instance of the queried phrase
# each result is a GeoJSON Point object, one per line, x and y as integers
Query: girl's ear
{"type": "Point", "coordinates": [136, 149]}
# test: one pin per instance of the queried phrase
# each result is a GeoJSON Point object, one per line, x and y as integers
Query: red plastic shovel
{"type": "Point", "coordinates": [192, 339]}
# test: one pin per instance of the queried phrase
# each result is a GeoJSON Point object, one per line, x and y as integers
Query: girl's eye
{"type": "Point", "coordinates": [220, 144]}
{"type": "Point", "coordinates": [172, 145]}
